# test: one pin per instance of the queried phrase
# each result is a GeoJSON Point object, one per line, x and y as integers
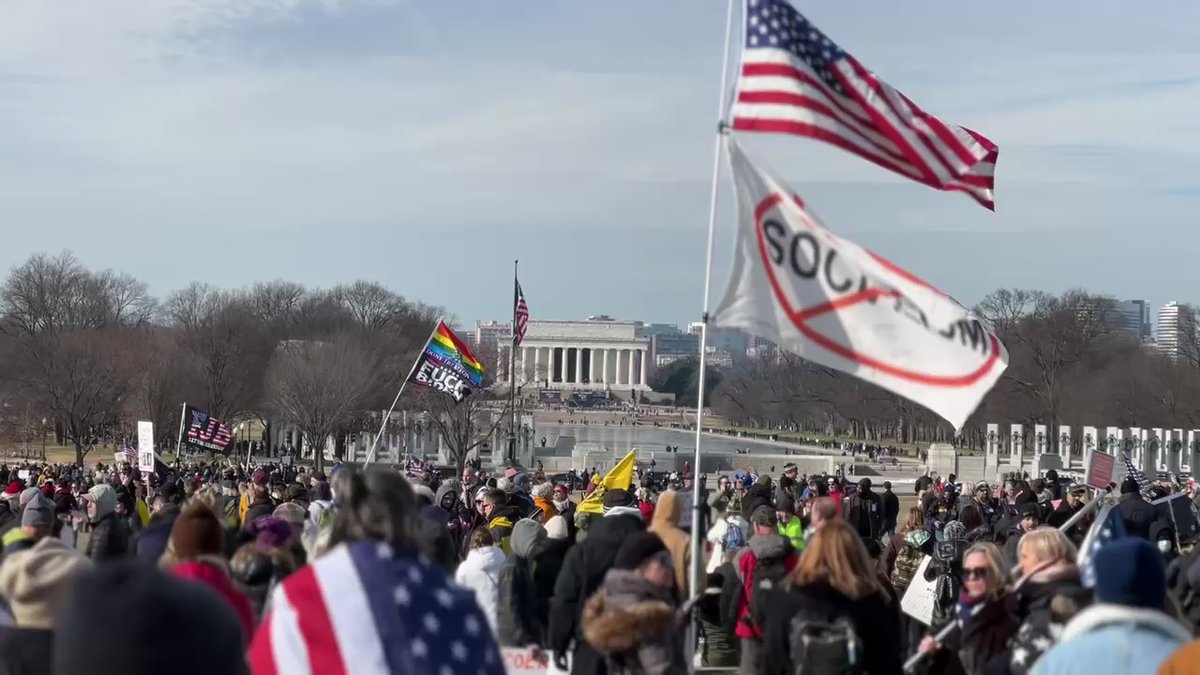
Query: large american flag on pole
{"type": "Point", "coordinates": [205, 432]}
{"type": "Point", "coordinates": [795, 80]}
{"type": "Point", "coordinates": [520, 316]}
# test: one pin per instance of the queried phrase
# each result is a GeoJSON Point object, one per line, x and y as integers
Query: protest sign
{"type": "Point", "coordinates": [1100, 466]}
{"type": "Point", "coordinates": [529, 661]}
{"type": "Point", "coordinates": [919, 598]}
{"type": "Point", "coordinates": [145, 449]}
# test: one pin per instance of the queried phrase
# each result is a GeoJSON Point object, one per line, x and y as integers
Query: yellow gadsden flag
{"type": "Point", "coordinates": [620, 476]}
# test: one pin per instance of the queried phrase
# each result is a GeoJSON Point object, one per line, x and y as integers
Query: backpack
{"type": "Point", "coordinates": [908, 561]}
{"type": "Point", "coordinates": [734, 537]}
{"type": "Point", "coordinates": [768, 574]}
{"type": "Point", "coordinates": [820, 644]}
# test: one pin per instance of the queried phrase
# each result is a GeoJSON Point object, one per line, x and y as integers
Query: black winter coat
{"type": "Point", "coordinates": [548, 562]}
{"type": "Point", "coordinates": [110, 539]}
{"type": "Point", "coordinates": [984, 637]}
{"type": "Point", "coordinates": [26, 651]}
{"type": "Point", "coordinates": [518, 621]}
{"type": "Point", "coordinates": [876, 619]}
{"type": "Point", "coordinates": [1043, 608]}
{"type": "Point", "coordinates": [865, 514]}
{"type": "Point", "coordinates": [582, 575]}
{"type": "Point", "coordinates": [258, 508]}
{"type": "Point", "coordinates": [891, 507]}
{"type": "Point", "coordinates": [1136, 514]}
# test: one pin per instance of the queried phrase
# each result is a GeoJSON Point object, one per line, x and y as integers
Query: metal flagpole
{"type": "Point", "coordinates": [512, 376]}
{"type": "Point", "coordinates": [388, 415]}
{"type": "Point", "coordinates": [722, 129]}
{"type": "Point", "coordinates": [179, 438]}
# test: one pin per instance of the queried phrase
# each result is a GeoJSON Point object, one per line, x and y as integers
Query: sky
{"type": "Point", "coordinates": [426, 145]}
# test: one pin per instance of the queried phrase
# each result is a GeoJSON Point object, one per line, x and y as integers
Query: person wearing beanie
{"type": "Point", "coordinates": [37, 522]}
{"type": "Point", "coordinates": [790, 525]}
{"type": "Point", "coordinates": [1137, 515]}
{"type": "Point", "coordinates": [583, 572]}
{"type": "Point", "coordinates": [34, 584]}
{"type": "Point", "coordinates": [127, 618]}
{"type": "Point", "coordinates": [196, 552]}
{"type": "Point", "coordinates": [295, 516]}
{"type": "Point", "coordinates": [110, 535]}
{"type": "Point", "coordinates": [1127, 630]}
{"type": "Point", "coordinates": [864, 512]}
{"type": "Point", "coordinates": [633, 620]}
{"type": "Point", "coordinates": [519, 613]}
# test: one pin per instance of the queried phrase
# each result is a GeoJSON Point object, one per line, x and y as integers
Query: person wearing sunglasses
{"type": "Point", "coordinates": [986, 623]}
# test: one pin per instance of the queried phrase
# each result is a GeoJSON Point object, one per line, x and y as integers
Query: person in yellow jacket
{"type": "Point", "coordinates": [790, 525]}
{"type": "Point", "coordinates": [243, 502]}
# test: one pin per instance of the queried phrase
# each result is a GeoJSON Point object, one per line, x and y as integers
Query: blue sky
{"type": "Point", "coordinates": [427, 144]}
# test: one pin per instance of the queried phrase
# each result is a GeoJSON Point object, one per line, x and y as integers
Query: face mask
{"type": "Point", "coordinates": [1164, 546]}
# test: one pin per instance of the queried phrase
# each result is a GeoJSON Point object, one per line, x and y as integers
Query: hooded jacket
{"type": "Point", "coordinates": [1114, 640]}
{"type": "Point", "coordinates": [666, 515]}
{"type": "Point", "coordinates": [582, 575]}
{"type": "Point", "coordinates": [453, 523]}
{"type": "Point", "coordinates": [480, 573]}
{"type": "Point", "coordinates": [110, 534]}
{"type": "Point", "coordinates": [762, 547]}
{"type": "Point", "coordinates": [633, 623]}
{"type": "Point", "coordinates": [519, 611]}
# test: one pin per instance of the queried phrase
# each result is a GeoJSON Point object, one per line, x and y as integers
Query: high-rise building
{"type": "Point", "coordinates": [1134, 316]}
{"type": "Point", "coordinates": [1176, 329]}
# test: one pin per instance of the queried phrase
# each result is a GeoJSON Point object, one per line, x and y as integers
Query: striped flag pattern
{"type": "Point", "coordinates": [520, 316]}
{"type": "Point", "coordinates": [795, 80]}
{"type": "Point", "coordinates": [363, 609]}
{"type": "Point", "coordinates": [1135, 473]}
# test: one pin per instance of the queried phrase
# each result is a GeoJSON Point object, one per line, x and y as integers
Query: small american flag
{"type": "Point", "coordinates": [795, 80]}
{"type": "Point", "coordinates": [521, 316]}
{"type": "Point", "coordinates": [1135, 473]}
{"type": "Point", "coordinates": [1105, 530]}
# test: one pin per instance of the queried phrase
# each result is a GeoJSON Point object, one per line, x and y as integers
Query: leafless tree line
{"type": "Point", "coordinates": [1071, 361]}
{"type": "Point", "coordinates": [94, 350]}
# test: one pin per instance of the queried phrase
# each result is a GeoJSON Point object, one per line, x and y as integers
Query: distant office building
{"type": "Point", "coordinates": [1176, 329]}
{"type": "Point", "coordinates": [668, 348]}
{"type": "Point", "coordinates": [724, 339]}
{"type": "Point", "coordinates": [653, 329]}
{"type": "Point", "coordinates": [1133, 316]}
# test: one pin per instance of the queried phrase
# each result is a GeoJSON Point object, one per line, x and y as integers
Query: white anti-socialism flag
{"type": "Point", "coordinates": [837, 304]}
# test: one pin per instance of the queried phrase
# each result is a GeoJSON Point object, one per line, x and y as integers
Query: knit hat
{"type": "Point", "coordinates": [617, 497]}
{"type": "Point", "coordinates": [13, 489]}
{"type": "Point", "coordinates": [259, 478]}
{"type": "Point", "coordinates": [197, 531]}
{"type": "Point", "coordinates": [39, 512]}
{"type": "Point", "coordinates": [271, 532]}
{"type": "Point", "coordinates": [123, 603]}
{"type": "Point", "coordinates": [636, 549]}
{"type": "Point", "coordinates": [526, 534]}
{"type": "Point", "coordinates": [1130, 484]}
{"type": "Point", "coordinates": [27, 495]}
{"type": "Point", "coordinates": [1130, 572]}
{"type": "Point", "coordinates": [556, 528]}
{"type": "Point", "coordinates": [35, 582]}
{"type": "Point", "coordinates": [1028, 509]}
{"type": "Point", "coordinates": [292, 513]}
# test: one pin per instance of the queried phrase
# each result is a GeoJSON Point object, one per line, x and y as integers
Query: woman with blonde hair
{"type": "Point", "coordinates": [1050, 595]}
{"type": "Point", "coordinates": [986, 625]}
{"type": "Point", "coordinates": [833, 599]}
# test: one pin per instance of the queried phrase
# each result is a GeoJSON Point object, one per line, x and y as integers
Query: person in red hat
{"type": "Point", "coordinates": [10, 515]}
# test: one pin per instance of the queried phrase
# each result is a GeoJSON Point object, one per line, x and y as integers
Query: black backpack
{"type": "Point", "coordinates": [765, 580]}
{"type": "Point", "coordinates": [824, 644]}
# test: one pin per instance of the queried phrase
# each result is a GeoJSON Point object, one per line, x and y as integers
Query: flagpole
{"type": "Point", "coordinates": [179, 437]}
{"type": "Point", "coordinates": [722, 130]}
{"type": "Point", "coordinates": [512, 377]}
{"type": "Point", "coordinates": [404, 383]}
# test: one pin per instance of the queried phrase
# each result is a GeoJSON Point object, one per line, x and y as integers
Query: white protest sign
{"type": "Point", "coordinates": [919, 597]}
{"type": "Point", "coordinates": [23, 474]}
{"type": "Point", "coordinates": [145, 431]}
{"type": "Point", "coordinates": [529, 661]}
{"type": "Point", "coordinates": [837, 304]}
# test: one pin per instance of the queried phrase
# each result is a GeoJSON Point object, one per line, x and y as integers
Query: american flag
{"type": "Point", "coordinates": [207, 432]}
{"type": "Point", "coordinates": [1135, 473]}
{"type": "Point", "coordinates": [520, 316]}
{"type": "Point", "coordinates": [363, 609]}
{"type": "Point", "coordinates": [795, 80]}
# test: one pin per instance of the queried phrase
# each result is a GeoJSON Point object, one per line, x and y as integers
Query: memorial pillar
{"type": "Point", "coordinates": [592, 374]}
{"type": "Point", "coordinates": [642, 381]}
{"type": "Point", "coordinates": [606, 379]}
{"type": "Point", "coordinates": [562, 365]}
{"type": "Point", "coordinates": [630, 367]}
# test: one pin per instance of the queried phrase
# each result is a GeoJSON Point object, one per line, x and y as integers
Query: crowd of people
{"type": "Point", "coordinates": [271, 570]}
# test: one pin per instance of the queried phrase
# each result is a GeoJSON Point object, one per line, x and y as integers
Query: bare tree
{"type": "Point", "coordinates": [230, 347]}
{"type": "Point", "coordinates": [464, 426]}
{"type": "Point", "coordinates": [320, 387]}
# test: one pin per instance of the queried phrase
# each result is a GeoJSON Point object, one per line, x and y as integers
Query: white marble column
{"type": "Point", "coordinates": [605, 372]}
{"type": "Point", "coordinates": [579, 365]}
{"type": "Point", "coordinates": [592, 367]}
{"type": "Point", "coordinates": [537, 361]}
{"type": "Point", "coordinates": [562, 366]}
{"type": "Point", "coordinates": [617, 368]}
{"type": "Point", "coordinates": [642, 377]}
{"type": "Point", "coordinates": [630, 367]}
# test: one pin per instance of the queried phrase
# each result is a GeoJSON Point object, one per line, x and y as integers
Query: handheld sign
{"type": "Point", "coordinates": [1100, 467]}
{"type": "Point", "coordinates": [145, 435]}
{"type": "Point", "coordinates": [919, 597]}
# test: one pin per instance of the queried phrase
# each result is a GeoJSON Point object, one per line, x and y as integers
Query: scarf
{"type": "Point", "coordinates": [968, 607]}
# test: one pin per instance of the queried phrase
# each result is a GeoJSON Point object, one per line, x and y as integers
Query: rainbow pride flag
{"type": "Point", "coordinates": [454, 354]}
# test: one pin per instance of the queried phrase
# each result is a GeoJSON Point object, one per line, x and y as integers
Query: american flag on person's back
{"type": "Point", "coordinates": [795, 80]}
{"type": "Point", "coordinates": [366, 609]}
{"type": "Point", "coordinates": [1135, 473]}
{"type": "Point", "coordinates": [520, 316]}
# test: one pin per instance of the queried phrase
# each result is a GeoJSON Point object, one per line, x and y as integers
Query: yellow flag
{"type": "Point", "coordinates": [620, 476]}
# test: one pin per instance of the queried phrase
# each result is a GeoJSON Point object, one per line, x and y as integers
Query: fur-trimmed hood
{"type": "Point", "coordinates": [1105, 614]}
{"type": "Point", "coordinates": [626, 612]}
